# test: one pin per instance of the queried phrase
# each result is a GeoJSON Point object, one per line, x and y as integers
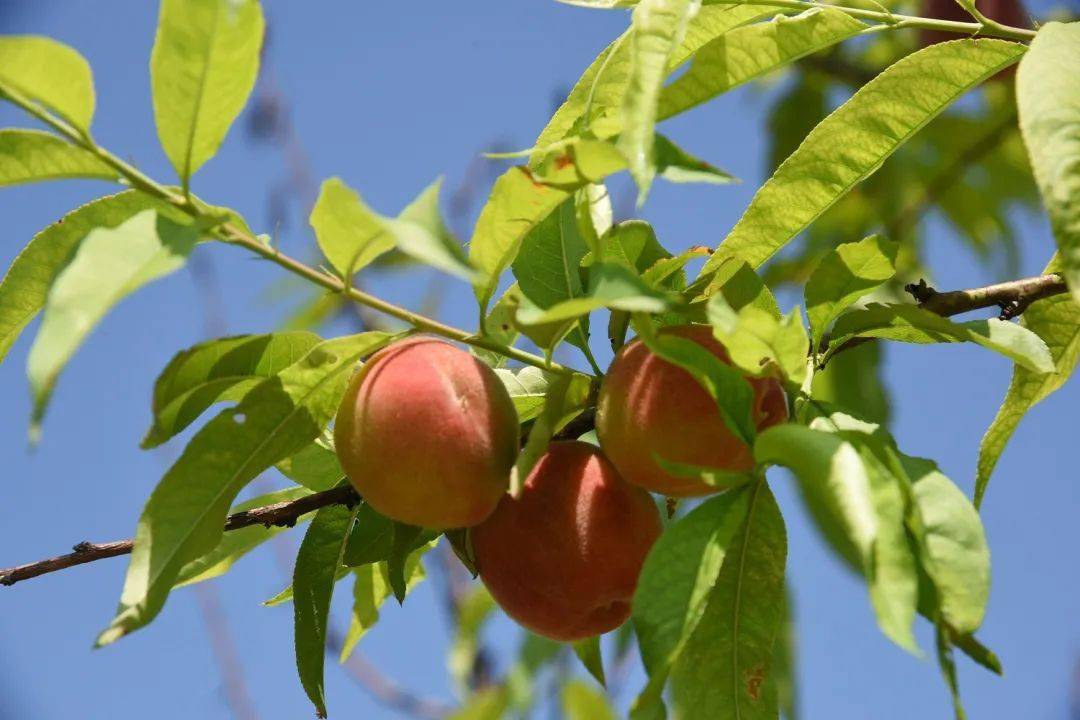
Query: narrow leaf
{"type": "Point", "coordinates": [853, 141]}
{"type": "Point", "coordinates": [751, 51]}
{"type": "Point", "coordinates": [28, 156]}
{"type": "Point", "coordinates": [371, 588]}
{"type": "Point", "coordinates": [679, 574]}
{"type": "Point", "coordinates": [420, 233]}
{"type": "Point", "coordinates": [725, 670]}
{"type": "Point", "coordinates": [202, 70]}
{"type": "Point", "coordinates": [109, 265]}
{"type": "Point", "coordinates": [350, 234]}
{"type": "Point", "coordinates": [218, 371]}
{"type": "Point", "coordinates": [1048, 99]}
{"type": "Point", "coordinates": [314, 578]}
{"type": "Point", "coordinates": [588, 652]}
{"type": "Point", "coordinates": [908, 323]}
{"type": "Point", "coordinates": [25, 287]}
{"type": "Point", "coordinates": [183, 519]}
{"type": "Point", "coordinates": [657, 29]}
{"type": "Point", "coordinates": [51, 73]}
{"type": "Point", "coordinates": [1057, 321]}
{"type": "Point", "coordinates": [844, 275]}
{"type": "Point", "coordinates": [238, 543]}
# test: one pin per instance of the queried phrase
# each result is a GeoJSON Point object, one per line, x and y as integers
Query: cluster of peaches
{"type": "Point", "coordinates": [428, 435]}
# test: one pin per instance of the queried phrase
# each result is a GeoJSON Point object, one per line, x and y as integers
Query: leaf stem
{"type": "Point", "coordinates": [230, 233]}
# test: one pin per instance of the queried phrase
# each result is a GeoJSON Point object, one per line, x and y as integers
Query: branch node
{"type": "Point", "coordinates": [84, 546]}
{"type": "Point", "coordinates": [921, 291]}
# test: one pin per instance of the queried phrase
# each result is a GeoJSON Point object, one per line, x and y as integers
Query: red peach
{"type": "Point", "coordinates": [649, 406]}
{"type": "Point", "coordinates": [427, 434]}
{"type": "Point", "coordinates": [563, 558]}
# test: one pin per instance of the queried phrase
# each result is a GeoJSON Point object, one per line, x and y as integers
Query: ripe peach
{"type": "Point", "coordinates": [649, 406]}
{"type": "Point", "coordinates": [563, 558]}
{"type": "Point", "coordinates": [427, 434]}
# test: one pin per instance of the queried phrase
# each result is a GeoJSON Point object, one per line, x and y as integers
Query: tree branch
{"type": "Point", "coordinates": [1012, 297]}
{"type": "Point", "coordinates": [283, 514]}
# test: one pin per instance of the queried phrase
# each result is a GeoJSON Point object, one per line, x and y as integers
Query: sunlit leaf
{"type": "Point", "coordinates": [110, 264]}
{"type": "Point", "coordinates": [912, 324]}
{"type": "Point", "coordinates": [610, 286]}
{"type": "Point", "coordinates": [1057, 321]}
{"type": "Point", "coordinates": [1048, 98]}
{"type": "Point", "coordinates": [679, 574]}
{"type": "Point", "coordinates": [420, 233]}
{"type": "Point", "coordinates": [566, 397]}
{"type": "Point", "coordinates": [843, 276]}
{"type": "Point", "coordinates": [235, 544]}
{"type": "Point", "coordinates": [183, 519]}
{"type": "Point", "coordinates": [832, 479]}
{"type": "Point", "coordinates": [218, 371]}
{"type": "Point", "coordinates": [51, 73]}
{"type": "Point", "coordinates": [749, 52]}
{"type": "Point", "coordinates": [350, 234]}
{"type": "Point", "coordinates": [316, 467]}
{"type": "Point", "coordinates": [28, 156]}
{"type": "Point", "coordinates": [314, 578]}
{"type": "Point", "coordinates": [25, 287]}
{"type": "Point", "coordinates": [527, 387]}
{"type": "Point", "coordinates": [853, 141]}
{"type": "Point", "coordinates": [500, 327]}
{"type": "Point", "coordinates": [725, 669]}
{"type": "Point", "coordinates": [757, 342]}
{"type": "Point", "coordinates": [202, 70]}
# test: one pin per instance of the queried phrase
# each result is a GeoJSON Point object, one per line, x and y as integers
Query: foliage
{"type": "Point", "coordinates": [711, 616]}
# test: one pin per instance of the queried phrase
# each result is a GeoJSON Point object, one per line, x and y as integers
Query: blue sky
{"type": "Point", "coordinates": [389, 97]}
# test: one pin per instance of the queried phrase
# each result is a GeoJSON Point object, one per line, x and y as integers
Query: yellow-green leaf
{"type": "Point", "coordinates": [51, 73]}
{"type": "Point", "coordinates": [28, 156]}
{"type": "Point", "coordinates": [202, 70]}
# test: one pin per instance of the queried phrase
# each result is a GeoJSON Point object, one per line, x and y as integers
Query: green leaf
{"type": "Point", "coordinates": [595, 103]}
{"type": "Point", "coordinates": [832, 478]}
{"type": "Point", "coordinates": [567, 396]}
{"type": "Point", "coordinates": [235, 544]}
{"type": "Point", "coordinates": [110, 264]}
{"type": "Point", "coordinates": [48, 72]}
{"type": "Point", "coordinates": [489, 703]}
{"type": "Point", "coordinates": [713, 477]}
{"type": "Point", "coordinates": [218, 371]}
{"type": "Point", "coordinates": [953, 545]}
{"type": "Point", "coordinates": [725, 384]}
{"type": "Point", "coordinates": [350, 234]}
{"type": "Point", "coordinates": [676, 165]}
{"type": "Point", "coordinates": [1048, 99]}
{"type": "Point", "coordinates": [371, 539]}
{"type": "Point", "coordinates": [739, 284]}
{"type": "Point", "coordinates": [852, 380]}
{"type": "Point", "coordinates": [947, 663]}
{"type": "Point", "coordinates": [527, 387]}
{"type": "Point", "coordinates": [202, 70]}
{"type": "Point", "coordinates": [25, 287]}
{"type": "Point", "coordinates": [725, 670]}
{"type": "Point", "coordinates": [850, 144]}
{"type": "Point", "coordinates": [314, 578]}
{"type": "Point", "coordinates": [548, 265]}
{"type": "Point", "coordinates": [1057, 321]}
{"type": "Point", "coordinates": [752, 51]}
{"type": "Point", "coordinates": [402, 542]}
{"type": "Point", "coordinates": [592, 209]}
{"type": "Point", "coordinates": [183, 519]}
{"type": "Point", "coordinates": [28, 156]}
{"type": "Point", "coordinates": [758, 343]}
{"type": "Point", "coordinates": [912, 324]}
{"type": "Point", "coordinates": [371, 588]}
{"type": "Point", "coordinates": [679, 574]}
{"type": "Point", "coordinates": [499, 326]}
{"type": "Point", "coordinates": [420, 233]}
{"type": "Point", "coordinates": [316, 467]}
{"type": "Point", "coordinates": [610, 286]}
{"type": "Point", "coordinates": [517, 204]}
{"type": "Point", "coordinates": [844, 275]}
{"type": "Point", "coordinates": [588, 652]}
{"type": "Point", "coordinates": [582, 702]}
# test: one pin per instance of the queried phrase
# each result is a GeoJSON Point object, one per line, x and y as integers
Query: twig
{"type": "Point", "coordinates": [283, 514]}
{"type": "Point", "coordinates": [1012, 297]}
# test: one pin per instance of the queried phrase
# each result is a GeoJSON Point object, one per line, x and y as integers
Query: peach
{"type": "Point", "coordinates": [563, 558]}
{"type": "Point", "coordinates": [648, 406]}
{"type": "Point", "coordinates": [427, 434]}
